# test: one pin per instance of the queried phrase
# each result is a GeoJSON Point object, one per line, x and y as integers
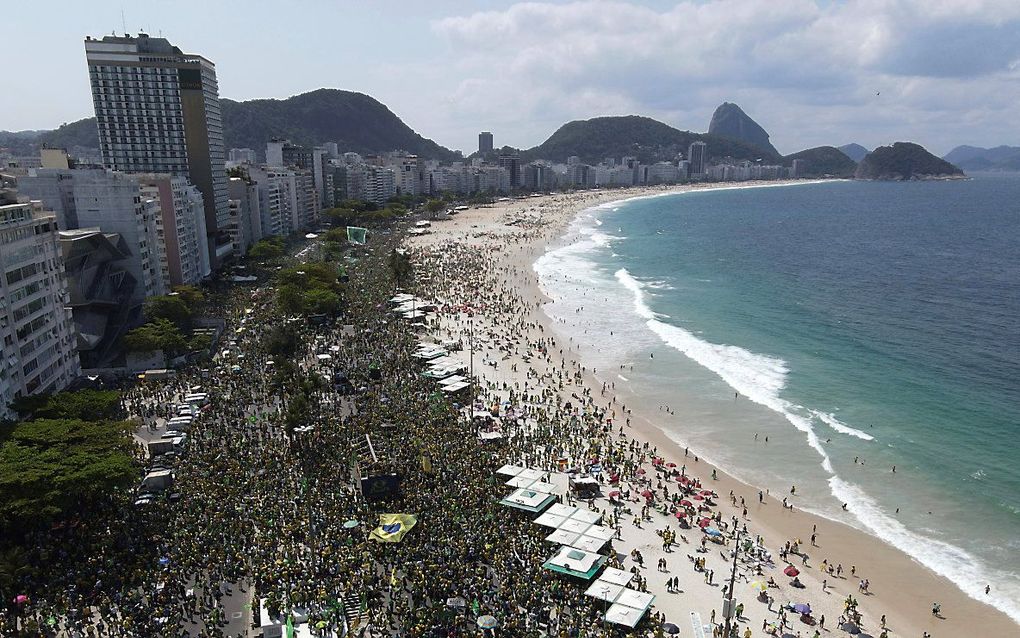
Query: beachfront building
{"type": "Point", "coordinates": [37, 341]}
{"type": "Point", "coordinates": [697, 155]}
{"type": "Point", "coordinates": [245, 215]}
{"type": "Point", "coordinates": [158, 111]}
{"type": "Point", "coordinates": [108, 200]}
{"type": "Point", "coordinates": [184, 255]}
{"type": "Point", "coordinates": [100, 290]}
{"type": "Point", "coordinates": [485, 142]}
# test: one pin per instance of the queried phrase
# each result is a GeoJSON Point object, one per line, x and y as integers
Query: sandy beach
{"type": "Point", "coordinates": [481, 260]}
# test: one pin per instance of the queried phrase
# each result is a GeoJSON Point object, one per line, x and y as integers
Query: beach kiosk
{"type": "Point", "coordinates": [575, 562]}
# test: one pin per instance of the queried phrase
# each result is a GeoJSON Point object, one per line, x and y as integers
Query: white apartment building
{"type": "Point", "coordinates": [37, 338]}
{"type": "Point", "coordinates": [245, 214]}
{"type": "Point", "coordinates": [184, 255]}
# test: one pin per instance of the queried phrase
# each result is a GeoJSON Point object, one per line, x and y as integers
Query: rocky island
{"type": "Point", "coordinates": [905, 161]}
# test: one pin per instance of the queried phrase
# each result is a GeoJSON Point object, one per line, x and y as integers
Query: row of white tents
{"type": "Point", "coordinates": [580, 538]}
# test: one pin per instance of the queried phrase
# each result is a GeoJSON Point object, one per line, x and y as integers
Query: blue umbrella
{"type": "Point", "coordinates": [802, 608]}
{"type": "Point", "coordinates": [711, 531]}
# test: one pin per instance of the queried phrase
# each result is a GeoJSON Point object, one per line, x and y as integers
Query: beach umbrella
{"type": "Point", "coordinates": [614, 493]}
{"type": "Point", "coordinates": [791, 571]}
{"type": "Point", "coordinates": [487, 622]}
{"type": "Point", "coordinates": [705, 522]}
{"type": "Point", "coordinates": [850, 628]}
{"type": "Point", "coordinates": [711, 531]}
{"type": "Point", "coordinates": [680, 515]}
{"type": "Point", "coordinates": [698, 497]}
{"type": "Point", "coordinates": [803, 609]}
{"type": "Point", "coordinates": [670, 628]}
{"type": "Point", "coordinates": [351, 524]}
{"type": "Point", "coordinates": [686, 503]}
{"type": "Point", "coordinates": [670, 465]}
{"type": "Point", "coordinates": [707, 493]}
{"type": "Point", "coordinates": [640, 471]}
{"type": "Point", "coordinates": [759, 586]}
{"type": "Point", "coordinates": [647, 494]}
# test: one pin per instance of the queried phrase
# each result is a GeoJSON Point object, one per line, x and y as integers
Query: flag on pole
{"type": "Point", "coordinates": [290, 626]}
{"type": "Point", "coordinates": [356, 234]}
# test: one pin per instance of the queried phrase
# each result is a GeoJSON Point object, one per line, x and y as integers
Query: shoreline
{"type": "Point", "coordinates": [903, 589]}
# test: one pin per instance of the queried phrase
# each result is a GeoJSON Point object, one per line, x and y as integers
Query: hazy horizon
{"type": "Point", "coordinates": [811, 72]}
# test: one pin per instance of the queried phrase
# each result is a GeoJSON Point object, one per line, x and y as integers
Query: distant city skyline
{"type": "Point", "coordinates": [811, 72]}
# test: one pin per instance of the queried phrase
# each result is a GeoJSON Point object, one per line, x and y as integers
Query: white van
{"type": "Point", "coordinates": [179, 423]}
{"type": "Point", "coordinates": [198, 399]}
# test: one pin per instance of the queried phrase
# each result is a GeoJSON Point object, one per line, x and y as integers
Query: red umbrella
{"type": "Point", "coordinates": [698, 497]}
{"type": "Point", "coordinates": [670, 464]}
{"type": "Point", "coordinates": [686, 503]}
{"type": "Point", "coordinates": [640, 471]}
{"type": "Point", "coordinates": [707, 492]}
{"type": "Point", "coordinates": [647, 494]}
{"type": "Point", "coordinates": [705, 522]}
{"type": "Point", "coordinates": [681, 515]}
{"type": "Point", "coordinates": [614, 493]}
{"type": "Point", "coordinates": [791, 571]}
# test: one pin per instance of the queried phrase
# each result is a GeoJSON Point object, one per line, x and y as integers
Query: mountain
{"type": "Point", "coordinates": [823, 161]}
{"type": "Point", "coordinates": [356, 122]}
{"type": "Point", "coordinates": [80, 133]}
{"type": "Point", "coordinates": [856, 152]}
{"type": "Point", "coordinates": [633, 135]}
{"type": "Point", "coordinates": [975, 158]}
{"type": "Point", "coordinates": [730, 121]}
{"type": "Point", "coordinates": [904, 161]}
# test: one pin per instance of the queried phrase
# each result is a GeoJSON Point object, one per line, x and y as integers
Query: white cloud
{"type": "Point", "coordinates": [808, 72]}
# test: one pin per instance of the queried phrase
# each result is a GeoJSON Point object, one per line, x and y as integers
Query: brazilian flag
{"type": "Point", "coordinates": [356, 234]}
{"type": "Point", "coordinates": [290, 626]}
{"type": "Point", "coordinates": [392, 527]}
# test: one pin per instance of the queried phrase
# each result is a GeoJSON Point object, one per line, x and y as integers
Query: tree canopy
{"type": "Point", "coordinates": [87, 405]}
{"type": "Point", "coordinates": [51, 468]}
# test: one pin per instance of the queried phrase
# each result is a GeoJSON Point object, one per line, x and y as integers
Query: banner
{"type": "Point", "coordinates": [356, 234]}
{"type": "Point", "coordinates": [380, 488]}
{"type": "Point", "coordinates": [392, 527]}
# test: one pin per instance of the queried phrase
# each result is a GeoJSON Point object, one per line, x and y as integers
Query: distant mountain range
{"type": "Point", "coordinates": [633, 135]}
{"type": "Point", "coordinates": [362, 124]}
{"type": "Point", "coordinates": [904, 161]}
{"type": "Point", "coordinates": [729, 121]}
{"type": "Point", "coordinates": [856, 152]}
{"type": "Point", "coordinates": [355, 121]}
{"type": "Point", "coordinates": [975, 158]}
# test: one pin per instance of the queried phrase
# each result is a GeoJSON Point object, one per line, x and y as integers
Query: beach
{"type": "Point", "coordinates": [483, 258]}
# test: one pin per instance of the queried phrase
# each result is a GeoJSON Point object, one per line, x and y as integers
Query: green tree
{"type": "Point", "coordinates": [267, 249]}
{"type": "Point", "coordinates": [52, 468]}
{"type": "Point", "coordinates": [433, 206]}
{"type": "Point", "coordinates": [400, 267]}
{"type": "Point", "coordinates": [282, 341]}
{"type": "Point", "coordinates": [87, 405]}
{"type": "Point", "coordinates": [160, 334]}
{"type": "Point", "coordinates": [290, 299]}
{"type": "Point", "coordinates": [173, 308]}
{"type": "Point", "coordinates": [199, 342]}
{"type": "Point", "coordinates": [191, 296]}
{"type": "Point", "coordinates": [321, 302]}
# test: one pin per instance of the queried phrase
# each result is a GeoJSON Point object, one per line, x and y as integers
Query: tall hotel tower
{"type": "Point", "coordinates": [158, 111]}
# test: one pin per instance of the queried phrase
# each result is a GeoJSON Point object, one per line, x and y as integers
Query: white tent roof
{"type": "Point", "coordinates": [603, 590]}
{"type": "Point", "coordinates": [510, 470]}
{"type": "Point", "coordinates": [616, 576]}
{"type": "Point", "coordinates": [549, 519]}
{"type": "Point", "coordinates": [574, 559]}
{"type": "Point", "coordinates": [636, 599]}
{"type": "Point", "coordinates": [562, 510]}
{"type": "Point", "coordinates": [622, 615]}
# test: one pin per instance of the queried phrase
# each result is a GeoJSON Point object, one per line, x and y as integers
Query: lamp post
{"type": "Point", "coordinates": [728, 604]}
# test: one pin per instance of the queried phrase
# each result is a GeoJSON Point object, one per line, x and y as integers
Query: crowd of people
{"type": "Point", "coordinates": [269, 515]}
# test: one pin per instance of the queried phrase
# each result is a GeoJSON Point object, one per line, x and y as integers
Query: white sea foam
{"type": "Point", "coordinates": [758, 377]}
{"type": "Point", "coordinates": [623, 377]}
{"type": "Point", "coordinates": [830, 420]}
{"type": "Point", "coordinates": [947, 560]}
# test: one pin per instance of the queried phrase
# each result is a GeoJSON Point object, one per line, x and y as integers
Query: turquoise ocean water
{"type": "Point", "coordinates": [861, 325]}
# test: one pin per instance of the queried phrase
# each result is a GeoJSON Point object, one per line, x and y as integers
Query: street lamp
{"type": "Point", "coordinates": [728, 603]}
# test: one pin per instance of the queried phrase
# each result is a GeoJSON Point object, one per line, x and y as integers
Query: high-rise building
{"type": "Point", "coordinates": [158, 111]}
{"type": "Point", "coordinates": [798, 168]}
{"type": "Point", "coordinates": [245, 215]}
{"type": "Point", "coordinates": [512, 163]}
{"type": "Point", "coordinates": [697, 156]}
{"type": "Point", "coordinates": [37, 339]}
{"type": "Point", "coordinates": [485, 142]}
{"type": "Point", "coordinates": [242, 156]}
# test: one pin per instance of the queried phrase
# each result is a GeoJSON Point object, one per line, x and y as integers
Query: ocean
{"type": "Point", "coordinates": [858, 325]}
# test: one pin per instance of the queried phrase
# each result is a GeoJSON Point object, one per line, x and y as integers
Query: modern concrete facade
{"type": "Point", "coordinates": [245, 214]}
{"type": "Point", "coordinates": [37, 343]}
{"type": "Point", "coordinates": [158, 111]}
{"type": "Point", "coordinates": [485, 142]}
{"type": "Point", "coordinates": [100, 288]}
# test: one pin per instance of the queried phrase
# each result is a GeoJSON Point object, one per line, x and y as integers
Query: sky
{"type": "Point", "coordinates": [811, 72]}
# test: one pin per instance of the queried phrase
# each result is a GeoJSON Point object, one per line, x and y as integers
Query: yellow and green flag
{"type": "Point", "coordinates": [392, 527]}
